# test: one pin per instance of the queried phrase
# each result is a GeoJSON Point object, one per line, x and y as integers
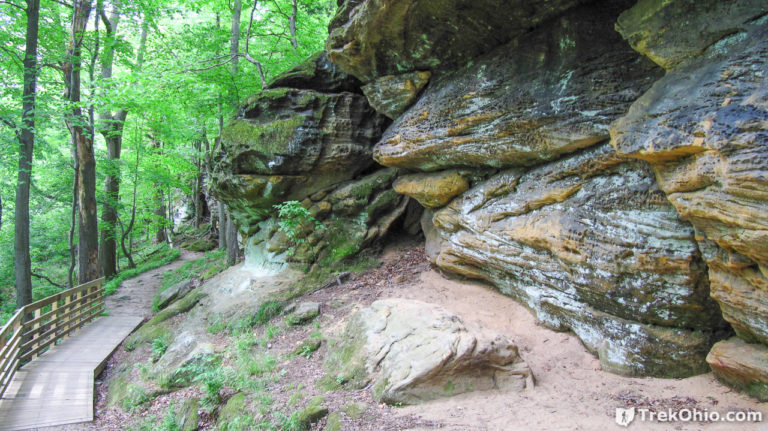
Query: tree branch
{"type": "Point", "coordinates": [13, 4]}
{"type": "Point", "coordinates": [42, 277]}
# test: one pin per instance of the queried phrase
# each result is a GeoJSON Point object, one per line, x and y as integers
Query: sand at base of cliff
{"type": "Point", "coordinates": [572, 392]}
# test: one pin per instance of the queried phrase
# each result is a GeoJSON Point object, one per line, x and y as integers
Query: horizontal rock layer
{"type": "Point", "coordinates": [590, 244]}
{"type": "Point", "coordinates": [672, 32]}
{"type": "Point", "coordinates": [704, 128]}
{"type": "Point", "coordinates": [545, 94]}
{"type": "Point", "coordinates": [374, 38]}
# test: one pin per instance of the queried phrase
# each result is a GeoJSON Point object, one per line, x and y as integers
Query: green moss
{"type": "Point", "coordinates": [268, 139]}
{"type": "Point", "coordinates": [307, 346]}
{"type": "Point", "coordinates": [354, 410]}
{"type": "Point", "coordinates": [147, 333]}
{"type": "Point", "coordinates": [181, 306]}
{"type": "Point", "coordinates": [232, 414]}
{"type": "Point", "coordinates": [345, 360]}
{"type": "Point", "coordinates": [333, 422]}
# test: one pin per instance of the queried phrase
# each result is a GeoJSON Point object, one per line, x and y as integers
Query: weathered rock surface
{"type": "Point", "coordinates": [671, 32]}
{"type": "Point", "coordinates": [432, 190]}
{"type": "Point", "coordinates": [392, 94]}
{"type": "Point", "coordinates": [167, 296]}
{"type": "Point", "coordinates": [704, 128]}
{"type": "Point", "coordinates": [590, 244]}
{"type": "Point", "coordinates": [319, 74]}
{"type": "Point", "coordinates": [311, 144]}
{"type": "Point", "coordinates": [411, 351]}
{"type": "Point", "coordinates": [545, 94]}
{"type": "Point", "coordinates": [288, 143]}
{"type": "Point", "coordinates": [741, 365]}
{"type": "Point", "coordinates": [354, 214]}
{"type": "Point", "coordinates": [302, 312]}
{"type": "Point", "coordinates": [370, 39]}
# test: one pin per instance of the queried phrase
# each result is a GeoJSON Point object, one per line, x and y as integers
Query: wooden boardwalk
{"type": "Point", "coordinates": [57, 387]}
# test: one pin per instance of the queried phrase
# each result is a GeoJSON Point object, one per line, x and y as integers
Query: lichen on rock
{"type": "Point", "coordinates": [543, 95]}
{"type": "Point", "coordinates": [590, 244]}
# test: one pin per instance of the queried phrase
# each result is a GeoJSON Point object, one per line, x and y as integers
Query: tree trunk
{"type": "Point", "coordinates": [233, 248]}
{"type": "Point", "coordinates": [72, 224]}
{"type": "Point", "coordinates": [88, 247]}
{"type": "Point", "coordinates": [292, 25]}
{"type": "Point", "coordinates": [23, 261]}
{"type": "Point", "coordinates": [222, 226]}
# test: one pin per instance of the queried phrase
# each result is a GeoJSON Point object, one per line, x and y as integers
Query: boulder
{"type": "Point", "coordinates": [374, 38]}
{"type": "Point", "coordinates": [547, 93]}
{"type": "Point", "coordinates": [741, 365]}
{"type": "Point", "coordinates": [434, 189]}
{"type": "Point", "coordinates": [411, 351]}
{"type": "Point", "coordinates": [704, 129]}
{"type": "Point", "coordinates": [302, 312]}
{"type": "Point", "coordinates": [165, 297]}
{"type": "Point", "coordinates": [392, 94]}
{"type": "Point", "coordinates": [590, 244]}
{"type": "Point", "coordinates": [669, 32]}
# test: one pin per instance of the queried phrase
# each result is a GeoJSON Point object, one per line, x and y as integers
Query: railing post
{"type": "Point", "coordinates": [67, 309]}
{"type": "Point", "coordinates": [36, 335]}
{"type": "Point", "coordinates": [54, 321]}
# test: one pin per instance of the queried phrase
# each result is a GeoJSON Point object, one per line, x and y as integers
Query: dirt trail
{"type": "Point", "coordinates": [135, 295]}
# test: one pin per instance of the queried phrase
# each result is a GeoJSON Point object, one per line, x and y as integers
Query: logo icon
{"type": "Point", "coordinates": [624, 417]}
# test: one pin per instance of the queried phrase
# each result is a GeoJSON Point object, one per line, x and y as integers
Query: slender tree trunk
{"type": "Point", "coordinates": [292, 25]}
{"type": "Point", "coordinates": [112, 129]}
{"type": "Point", "coordinates": [129, 232]}
{"type": "Point", "coordinates": [88, 247]}
{"type": "Point", "coordinates": [222, 226]}
{"type": "Point", "coordinates": [72, 224]}
{"type": "Point", "coordinates": [23, 261]}
{"type": "Point", "coordinates": [198, 188]}
{"type": "Point", "coordinates": [233, 248]}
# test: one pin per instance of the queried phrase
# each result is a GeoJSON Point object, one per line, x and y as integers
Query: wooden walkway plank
{"type": "Point", "coordinates": [57, 387]}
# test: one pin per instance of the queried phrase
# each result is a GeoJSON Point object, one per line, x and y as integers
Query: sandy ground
{"type": "Point", "coordinates": [572, 392]}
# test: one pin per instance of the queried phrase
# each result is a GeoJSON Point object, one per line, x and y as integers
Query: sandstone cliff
{"type": "Point", "coordinates": [602, 162]}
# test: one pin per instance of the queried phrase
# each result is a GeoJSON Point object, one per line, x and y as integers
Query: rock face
{"type": "Point", "coordinates": [411, 351]}
{"type": "Point", "coordinates": [704, 129]}
{"type": "Point", "coordinates": [590, 244]}
{"type": "Point", "coordinates": [392, 94]}
{"type": "Point", "coordinates": [370, 39]}
{"type": "Point", "coordinates": [671, 32]}
{"type": "Point", "coordinates": [311, 143]}
{"type": "Point", "coordinates": [543, 95]}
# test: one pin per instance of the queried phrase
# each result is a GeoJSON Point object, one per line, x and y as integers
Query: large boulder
{"type": "Point", "coordinates": [374, 38]}
{"type": "Point", "coordinates": [410, 351]}
{"type": "Point", "coordinates": [543, 95]}
{"type": "Point", "coordinates": [590, 244]}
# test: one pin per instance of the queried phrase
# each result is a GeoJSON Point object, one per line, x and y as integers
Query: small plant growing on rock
{"type": "Point", "coordinates": [292, 219]}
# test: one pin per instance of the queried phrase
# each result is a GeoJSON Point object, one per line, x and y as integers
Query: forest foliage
{"type": "Point", "coordinates": [176, 85]}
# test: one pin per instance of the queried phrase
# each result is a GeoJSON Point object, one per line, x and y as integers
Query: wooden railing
{"type": "Point", "coordinates": [37, 326]}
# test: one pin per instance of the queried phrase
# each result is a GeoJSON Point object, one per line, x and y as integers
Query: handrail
{"type": "Point", "coordinates": [37, 326]}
